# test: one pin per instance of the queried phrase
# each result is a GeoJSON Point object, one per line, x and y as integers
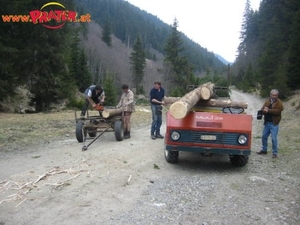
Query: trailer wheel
{"type": "Point", "coordinates": [171, 156]}
{"type": "Point", "coordinates": [239, 160]}
{"type": "Point", "coordinates": [118, 128]}
{"type": "Point", "coordinates": [92, 132]}
{"type": "Point", "coordinates": [79, 134]}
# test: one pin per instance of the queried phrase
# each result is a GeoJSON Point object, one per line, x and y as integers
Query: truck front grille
{"type": "Point", "coordinates": [209, 137]}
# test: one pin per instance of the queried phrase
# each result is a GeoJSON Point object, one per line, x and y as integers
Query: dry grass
{"type": "Point", "coordinates": [23, 130]}
{"type": "Point", "coordinates": [289, 142]}
{"type": "Point", "coordinates": [20, 131]}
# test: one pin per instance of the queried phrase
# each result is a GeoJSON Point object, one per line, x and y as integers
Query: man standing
{"type": "Point", "coordinates": [271, 110]}
{"type": "Point", "coordinates": [93, 95]}
{"type": "Point", "coordinates": [157, 95]}
{"type": "Point", "coordinates": [127, 102]}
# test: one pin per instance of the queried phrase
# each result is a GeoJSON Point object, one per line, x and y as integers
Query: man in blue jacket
{"type": "Point", "coordinates": [157, 95]}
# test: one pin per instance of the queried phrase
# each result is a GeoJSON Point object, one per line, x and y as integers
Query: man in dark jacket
{"type": "Point", "coordinates": [157, 95]}
{"type": "Point", "coordinates": [271, 110]}
{"type": "Point", "coordinates": [94, 95]}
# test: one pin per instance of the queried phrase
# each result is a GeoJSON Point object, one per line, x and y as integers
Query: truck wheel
{"type": "Point", "coordinates": [239, 160]}
{"type": "Point", "coordinates": [171, 156]}
{"type": "Point", "coordinates": [79, 134]}
{"type": "Point", "coordinates": [118, 128]}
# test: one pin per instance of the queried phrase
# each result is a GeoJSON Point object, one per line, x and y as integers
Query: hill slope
{"type": "Point", "coordinates": [127, 22]}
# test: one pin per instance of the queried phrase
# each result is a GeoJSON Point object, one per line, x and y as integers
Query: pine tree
{"type": "Point", "coordinates": [293, 69]}
{"type": "Point", "coordinates": [138, 63]}
{"type": "Point", "coordinates": [182, 72]}
{"type": "Point", "coordinates": [78, 65]}
{"type": "Point", "coordinates": [85, 77]}
{"type": "Point", "coordinates": [13, 41]}
{"type": "Point", "coordinates": [110, 90]}
{"type": "Point", "coordinates": [106, 34]}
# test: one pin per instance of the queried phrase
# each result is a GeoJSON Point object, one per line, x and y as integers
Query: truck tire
{"type": "Point", "coordinates": [239, 160]}
{"type": "Point", "coordinates": [171, 156]}
{"type": "Point", "coordinates": [118, 128]}
{"type": "Point", "coordinates": [79, 134]}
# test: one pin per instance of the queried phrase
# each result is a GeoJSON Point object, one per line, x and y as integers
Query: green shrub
{"type": "Point", "coordinates": [142, 102]}
{"type": "Point", "coordinates": [76, 103]}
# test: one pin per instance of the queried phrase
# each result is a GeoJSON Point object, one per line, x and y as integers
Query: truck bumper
{"type": "Point", "coordinates": [204, 150]}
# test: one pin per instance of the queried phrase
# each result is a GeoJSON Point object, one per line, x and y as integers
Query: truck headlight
{"type": "Point", "coordinates": [175, 135]}
{"type": "Point", "coordinates": [242, 139]}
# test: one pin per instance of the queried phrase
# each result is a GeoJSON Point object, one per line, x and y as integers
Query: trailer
{"type": "Point", "coordinates": [94, 126]}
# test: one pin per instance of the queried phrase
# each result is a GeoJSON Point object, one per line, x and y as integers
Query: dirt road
{"type": "Point", "coordinates": [130, 182]}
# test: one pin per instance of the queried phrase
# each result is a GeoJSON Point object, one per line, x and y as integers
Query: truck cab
{"type": "Point", "coordinates": [208, 131]}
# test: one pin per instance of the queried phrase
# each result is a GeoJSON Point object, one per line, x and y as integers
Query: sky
{"type": "Point", "coordinates": [213, 24]}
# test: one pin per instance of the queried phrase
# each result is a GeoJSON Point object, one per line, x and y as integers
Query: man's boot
{"type": "Point", "coordinates": [125, 134]}
{"type": "Point", "coordinates": [82, 114]}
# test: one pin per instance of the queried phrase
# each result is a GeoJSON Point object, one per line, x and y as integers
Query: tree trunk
{"type": "Point", "coordinates": [211, 102]}
{"type": "Point", "coordinates": [111, 112]}
{"type": "Point", "coordinates": [182, 107]}
{"type": "Point", "coordinates": [222, 103]}
{"type": "Point", "coordinates": [170, 100]}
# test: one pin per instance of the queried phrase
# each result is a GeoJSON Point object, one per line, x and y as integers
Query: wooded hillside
{"type": "Point", "coordinates": [55, 64]}
{"type": "Point", "coordinates": [269, 52]}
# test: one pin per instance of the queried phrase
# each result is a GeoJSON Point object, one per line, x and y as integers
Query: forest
{"type": "Point", "coordinates": [269, 51]}
{"type": "Point", "coordinates": [122, 43]}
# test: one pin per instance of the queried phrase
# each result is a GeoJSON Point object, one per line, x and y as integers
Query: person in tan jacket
{"type": "Point", "coordinates": [127, 102]}
{"type": "Point", "coordinates": [271, 110]}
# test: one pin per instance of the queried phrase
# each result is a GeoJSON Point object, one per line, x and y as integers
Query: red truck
{"type": "Point", "coordinates": [210, 131]}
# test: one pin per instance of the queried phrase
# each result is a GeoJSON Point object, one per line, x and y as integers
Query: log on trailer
{"type": "Point", "coordinates": [182, 107]}
{"type": "Point", "coordinates": [106, 113]}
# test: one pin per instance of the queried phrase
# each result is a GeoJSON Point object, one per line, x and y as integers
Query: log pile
{"type": "Point", "coordinates": [202, 96]}
{"type": "Point", "coordinates": [182, 107]}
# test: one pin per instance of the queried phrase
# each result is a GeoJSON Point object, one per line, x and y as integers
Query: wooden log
{"type": "Point", "coordinates": [222, 103]}
{"type": "Point", "coordinates": [170, 100]}
{"type": "Point", "coordinates": [111, 112]}
{"type": "Point", "coordinates": [182, 107]}
{"type": "Point", "coordinates": [211, 102]}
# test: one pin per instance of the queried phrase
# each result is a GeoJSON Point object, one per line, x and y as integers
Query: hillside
{"type": "Point", "coordinates": [115, 59]}
{"type": "Point", "coordinates": [222, 59]}
{"type": "Point", "coordinates": [55, 66]}
{"type": "Point", "coordinates": [127, 22]}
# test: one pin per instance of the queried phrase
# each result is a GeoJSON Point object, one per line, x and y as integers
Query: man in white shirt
{"type": "Point", "coordinates": [127, 102]}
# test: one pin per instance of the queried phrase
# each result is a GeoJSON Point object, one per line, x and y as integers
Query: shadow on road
{"type": "Point", "coordinates": [214, 163]}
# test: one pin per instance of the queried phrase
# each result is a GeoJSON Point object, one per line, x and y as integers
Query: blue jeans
{"type": "Point", "coordinates": [156, 120]}
{"type": "Point", "coordinates": [270, 128]}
